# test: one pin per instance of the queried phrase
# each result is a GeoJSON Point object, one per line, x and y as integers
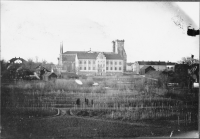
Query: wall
{"type": "Point", "coordinates": [170, 67]}
{"type": "Point", "coordinates": [159, 67]}
{"type": "Point", "coordinates": [129, 68]}
{"type": "Point", "coordinates": [87, 65]}
{"type": "Point", "coordinates": [136, 68]}
{"type": "Point", "coordinates": [114, 64]}
{"type": "Point", "coordinates": [107, 63]}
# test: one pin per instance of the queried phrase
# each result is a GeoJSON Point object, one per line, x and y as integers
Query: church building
{"type": "Point", "coordinates": [94, 63]}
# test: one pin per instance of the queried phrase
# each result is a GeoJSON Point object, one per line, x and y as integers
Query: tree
{"type": "Point", "coordinates": [188, 60]}
{"type": "Point", "coordinates": [44, 61]}
{"type": "Point", "coordinates": [30, 63]}
{"type": "Point", "coordinates": [193, 70]}
{"type": "Point", "coordinates": [4, 65]}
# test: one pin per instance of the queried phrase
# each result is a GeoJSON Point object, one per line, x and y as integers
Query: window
{"type": "Point", "coordinates": [120, 63]}
{"type": "Point", "coordinates": [88, 68]}
{"type": "Point", "coordinates": [93, 62]}
{"type": "Point", "coordinates": [93, 68]}
{"type": "Point", "coordinates": [120, 68]}
{"type": "Point", "coordinates": [110, 68]}
{"type": "Point", "coordinates": [84, 68]}
{"type": "Point", "coordinates": [115, 68]}
{"type": "Point", "coordinates": [106, 68]}
{"type": "Point", "coordinates": [110, 62]}
{"type": "Point", "coordinates": [107, 62]}
{"type": "Point", "coordinates": [84, 62]}
{"type": "Point", "coordinates": [88, 62]}
{"type": "Point", "coordinates": [115, 63]}
{"type": "Point", "coordinates": [80, 68]}
{"type": "Point", "coordinates": [80, 62]}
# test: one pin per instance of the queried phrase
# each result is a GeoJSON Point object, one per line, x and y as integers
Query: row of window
{"type": "Point", "coordinates": [90, 68]}
{"type": "Point", "coordinates": [107, 62]}
{"type": "Point", "coordinates": [111, 68]}
{"type": "Point", "coordinates": [111, 62]}
{"type": "Point", "coordinates": [84, 62]}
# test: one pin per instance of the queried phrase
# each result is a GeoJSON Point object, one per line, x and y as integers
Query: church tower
{"type": "Point", "coordinates": [60, 63]}
{"type": "Point", "coordinates": [118, 48]}
{"type": "Point", "coordinates": [61, 53]}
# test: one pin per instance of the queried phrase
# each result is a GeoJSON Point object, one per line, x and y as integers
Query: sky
{"type": "Point", "coordinates": [152, 31]}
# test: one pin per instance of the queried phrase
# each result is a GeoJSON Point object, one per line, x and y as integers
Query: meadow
{"type": "Point", "coordinates": [113, 99]}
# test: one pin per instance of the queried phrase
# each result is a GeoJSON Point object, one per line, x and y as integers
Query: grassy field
{"type": "Point", "coordinates": [128, 100]}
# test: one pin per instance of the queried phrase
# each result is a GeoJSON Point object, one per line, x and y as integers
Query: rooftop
{"type": "Point", "coordinates": [93, 55]}
{"type": "Point", "coordinates": [151, 62]}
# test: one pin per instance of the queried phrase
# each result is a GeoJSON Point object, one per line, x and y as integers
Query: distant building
{"type": "Point", "coordinates": [170, 66]}
{"type": "Point", "coordinates": [146, 69]}
{"type": "Point", "coordinates": [49, 76]}
{"type": "Point", "coordinates": [157, 65]}
{"type": "Point", "coordinates": [129, 66]}
{"type": "Point", "coordinates": [94, 63]}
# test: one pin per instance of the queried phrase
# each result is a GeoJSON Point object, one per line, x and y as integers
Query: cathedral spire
{"type": "Point", "coordinates": [61, 48]}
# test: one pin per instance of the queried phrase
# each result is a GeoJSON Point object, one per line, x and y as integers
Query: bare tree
{"type": "Point", "coordinates": [188, 60]}
{"type": "Point", "coordinates": [44, 61]}
{"type": "Point", "coordinates": [30, 63]}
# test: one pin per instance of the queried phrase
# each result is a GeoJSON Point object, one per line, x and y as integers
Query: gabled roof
{"type": "Point", "coordinates": [145, 67]}
{"type": "Point", "coordinates": [170, 63]}
{"type": "Point", "coordinates": [113, 56]}
{"type": "Point", "coordinates": [68, 57]}
{"type": "Point", "coordinates": [151, 62]}
{"type": "Point", "coordinates": [129, 64]}
{"type": "Point", "coordinates": [86, 55]}
{"type": "Point", "coordinates": [93, 55]}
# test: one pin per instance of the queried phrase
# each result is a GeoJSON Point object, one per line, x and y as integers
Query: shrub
{"type": "Point", "coordinates": [89, 82]}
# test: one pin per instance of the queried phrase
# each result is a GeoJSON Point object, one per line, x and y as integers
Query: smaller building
{"type": "Point", "coordinates": [129, 66]}
{"type": "Point", "coordinates": [146, 69]}
{"type": "Point", "coordinates": [170, 66]}
{"type": "Point", "coordinates": [157, 65]}
{"type": "Point", "coordinates": [49, 76]}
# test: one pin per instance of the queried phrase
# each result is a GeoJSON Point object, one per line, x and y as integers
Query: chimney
{"type": "Point", "coordinates": [113, 46]}
{"type": "Point", "coordinates": [192, 56]}
{"type": "Point", "coordinates": [61, 48]}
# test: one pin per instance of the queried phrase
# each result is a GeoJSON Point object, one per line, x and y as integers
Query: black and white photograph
{"type": "Point", "coordinates": [99, 69]}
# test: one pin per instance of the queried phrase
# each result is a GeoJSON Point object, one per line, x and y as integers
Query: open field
{"type": "Point", "coordinates": [77, 127]}
{"type": "Point", "coordinates": [136, 102]}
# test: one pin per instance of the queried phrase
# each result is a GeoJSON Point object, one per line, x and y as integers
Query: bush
{"type": "Point", "coordinates": [98, 89]}
{"type": "Point", "coordinates": [89, 82]}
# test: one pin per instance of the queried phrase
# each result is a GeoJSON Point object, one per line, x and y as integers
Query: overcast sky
{"type": "Point", "coordinates": [152, 31]}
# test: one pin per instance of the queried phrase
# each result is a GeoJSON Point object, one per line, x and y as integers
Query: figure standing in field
{"type": "Point", "coordinates": [78, 102]}
{"type": "Point", "coordinates": [86, 101]}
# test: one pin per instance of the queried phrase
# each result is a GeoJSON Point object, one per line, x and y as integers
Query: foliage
{"type": "Point", "coordinates": [4, 65]}
{"type": "Point", "coordinates": [187, 60]}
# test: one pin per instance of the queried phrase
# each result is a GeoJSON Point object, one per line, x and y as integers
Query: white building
{"type": "Point", "coordinates": [129, 66]}
{"type": "Point", "coordinates": [157, 65]}
{"type": "Point", "coordinates": [95, 63]}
